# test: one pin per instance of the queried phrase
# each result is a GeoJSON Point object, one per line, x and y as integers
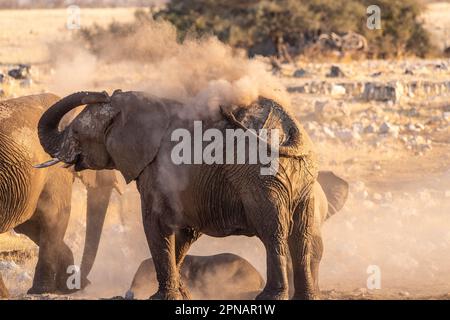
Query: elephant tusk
{"type": "Point", "coordinates": [47, 164]}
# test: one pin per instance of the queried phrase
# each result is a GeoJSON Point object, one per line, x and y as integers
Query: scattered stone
{"type": "Point", "coordinates": [376, 74]}
{"type": "Point", "coordinates": [403, 294]}
{"type": "Point", "coordinates": [20, 73]}
{"type": "Point", "coordinates": [371, 128]}
{"type": "Point", "coordinates": [26, 83]}
{"type": "Point", "coordinates": [129, 295]}
{"type": "Point", "coordinates": [335, 72]}
{"type": "Point", "coordinates": [409, 72]}
{"type": "Point", "coordinates": [387, 128]}
{"type": "Point", "coordinates": [338, 90]}
{"type": "Point", "coordinates": [300, 73]}
{"type": "Point", "coordinates": [388, 196]}
{"type": "Point", "coordinates": [2, 77]}
{"type": "Point", "coordinates": [347, 135]}
{"type": "Point", "coordinates": [329, 109]}
{"type": "Point", "coordinates": [441, 66]}
{"type": "Point", "coordinates": [329, 133]}
{"type": "Point", "coordinates": [446, 115]}
{"type": "Point", "coordinates": [392, 91]}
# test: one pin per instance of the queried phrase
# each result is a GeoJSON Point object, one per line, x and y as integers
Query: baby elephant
{"type": "Point", "coordinates": [228, 276]}
{"type": "Point", "coordinates": [223, 276]}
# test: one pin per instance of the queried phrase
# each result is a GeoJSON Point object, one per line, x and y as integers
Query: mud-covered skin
{"type": "Point", "coordinates": [36, 202]}
{"type": "Point", "coordinates": [218, 200]}
{"type": "Point", "coordinates": [228, 276]}
{"type": "Point", "coordinates": [222, 276]}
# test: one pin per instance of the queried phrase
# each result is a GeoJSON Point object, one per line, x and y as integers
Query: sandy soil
{"type": "Point", "coordinates": [397, 215]}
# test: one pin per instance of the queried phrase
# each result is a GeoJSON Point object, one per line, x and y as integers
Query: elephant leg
{"type": "Point", "coordinates": [317, 248]}
{"type": "Point", "coordinates": [52, 214]}
{"type": "Point", "coordinates": [301, 251]}
{"type": "Point", "coordinates": [183, 241]}
{"type": "Point", "coordinates": [274, 237]}
{"type": "Point", "coordinates": [161, 240]}
{"type": "Point", "coordinates": [277, 283]}
{"type": "Point", "coordinates": [3, 290]}
{"type": "Point", "coordinates": [65, 259]}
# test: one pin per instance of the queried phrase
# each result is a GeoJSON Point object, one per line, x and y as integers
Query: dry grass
{"type": "Point", "coordinates": [24, 34]}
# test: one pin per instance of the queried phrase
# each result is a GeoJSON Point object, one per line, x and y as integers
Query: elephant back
{"type": "Point", "coordinates": [19, 150]}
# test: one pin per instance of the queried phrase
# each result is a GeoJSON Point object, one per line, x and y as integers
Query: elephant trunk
{"type": "Point", "coordinates": [48, 131]}
{"type": "Point", "coordinates": [97, 205]}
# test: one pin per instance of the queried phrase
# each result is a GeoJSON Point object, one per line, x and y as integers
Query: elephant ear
{"type": "Point", "coordinates": [135, 135]}
{"type": "Point", "coordinates": [336, 190]}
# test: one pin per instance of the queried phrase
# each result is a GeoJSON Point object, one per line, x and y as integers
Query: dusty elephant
{"type": "Point", "coordinates": [131, 132]}
{"type": "Point", "coordinates": [228, 276]}
{"type": "Point", "coordinates": [223, 276]}
{"type": "Point", "coordinates": [37, 202]}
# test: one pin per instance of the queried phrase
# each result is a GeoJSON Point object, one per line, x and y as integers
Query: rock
{"type": "Point", "coordinates": [409, 72]}
{"type": "Point", "coordinates": [26, 83]}
{"type": "Point", "coordinates": [329, 133]}
{"type": "Point", "coordinates": [377, 196]}
{"type": "Point", "coordinates": [387, 128]}
{"type": "Point", "coordinates": [403, 294]}
{"type": "Point", "coordinates": [441, 66]}
{"type": "Point", "coordinates": [300, 73]}
{"type": "Point", "coordinates": [371, 128]}
{"type": "Point", "coordinates": [347, 135]}
{"type": "Point", "coordinates": [392, 91]}
{"type": "Point", "coordinates": [329, 109]}
{"type": "Point", "coordinates": [335, 72]}
{"type": "Point", "coordinates": [20, 73]}
{"type": "Point", "coordinates": [388, 196]}
{"type": "Point", "coordinates": [446, 115]}
{"type": "Point", "coordinates": [376, 74]}
{"type": "Point", "coordinates": [2, 77]}
{"type": "Point", "coordinates": [129, 295]}
{"type": "Point", "coordinates": [338, 90]}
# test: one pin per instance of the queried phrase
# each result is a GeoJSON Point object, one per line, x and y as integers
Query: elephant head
{"type": "Point", "coordinates": [116, 132]}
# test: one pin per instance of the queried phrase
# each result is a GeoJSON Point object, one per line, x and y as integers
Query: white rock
{"type": "Point", "coordinates": [329, 133]}
{"type": "Point", "coordinates": [337, 90]}
{"type": "Point", "coordinates": [446, 115]}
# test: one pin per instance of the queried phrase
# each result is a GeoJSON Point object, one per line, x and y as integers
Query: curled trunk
{"type": "Point", "coordinates": [49, 134]}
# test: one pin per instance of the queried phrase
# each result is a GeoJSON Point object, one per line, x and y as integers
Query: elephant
{"type": "Point", "coordinates": [228, 276]}
{"type": "Point", "coordinates": [224, 276]}
{"type": "Point", "coordinates": [132, 133]}
{"type": "Point", "coordinates": [37, 203]}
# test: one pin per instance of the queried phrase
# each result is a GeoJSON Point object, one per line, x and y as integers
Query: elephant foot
{"type": "Point", "coordinates": [41, 289]}
{"type": "Point", "coordinates": [167, 295]}
{"type": "Point", "coordinates": [306, 296]}
{"type": "Point", "coordinates": [280, 294]}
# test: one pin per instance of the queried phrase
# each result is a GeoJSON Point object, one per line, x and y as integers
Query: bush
{"type": "Point", "coordinates": [261, 26]}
